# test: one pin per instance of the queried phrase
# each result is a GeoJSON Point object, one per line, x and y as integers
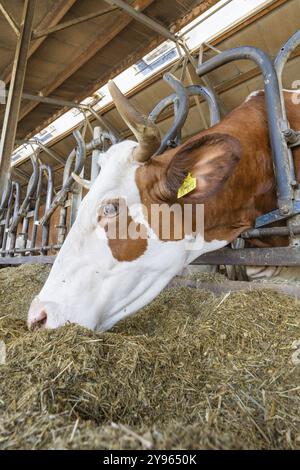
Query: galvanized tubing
{"type": "Point", "coordinates": [181, 112]}
{"type": "Point", "coordinates": [192, 90]}
{"type": "Point", "coordinates": [285, 52]}
{"type": "Point", "coordinates": [79, 155]}
{"type": "Point", "coordinates": [45, 228]}
{"type": "Point", "coordinates": [12, 208]}
{"type": "Point", "coordinates": [276, 117]}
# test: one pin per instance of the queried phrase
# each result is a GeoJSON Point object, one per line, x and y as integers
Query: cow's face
{"type": "Point", "coordinates": [113, 260]}
{"type": "Point", "coordinates": [103, 273]}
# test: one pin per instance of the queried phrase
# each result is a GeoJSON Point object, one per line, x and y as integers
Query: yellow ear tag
{"type": "Point", "coordinates": [188, 185]}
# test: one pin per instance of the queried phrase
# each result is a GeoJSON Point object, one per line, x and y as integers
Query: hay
{"type": "Point", "coordinates": [191, 370]}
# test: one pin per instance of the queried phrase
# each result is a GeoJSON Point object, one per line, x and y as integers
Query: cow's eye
{"type": "Point", "coordinates": [109, 210]}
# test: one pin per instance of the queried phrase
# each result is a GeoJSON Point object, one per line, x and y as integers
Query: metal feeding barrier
{"type": "Point", "coordinates": [26, 234]}
{"type": "Point", "coordinates": [282, 139]}
{"type": "Point", "coordinates": [26, 226]}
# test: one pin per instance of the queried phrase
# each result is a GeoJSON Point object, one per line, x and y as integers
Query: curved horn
{"type": "Point", "coordinates": [84, 183]}
{"type": "Point", "coordinates": [145, 131]}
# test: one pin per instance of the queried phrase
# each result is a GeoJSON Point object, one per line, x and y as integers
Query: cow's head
{"type": "Point", "coordinates": [115, 259]}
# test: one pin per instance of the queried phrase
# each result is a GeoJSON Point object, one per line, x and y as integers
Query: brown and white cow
{"type": "Point", "coordinates": [98, 279]}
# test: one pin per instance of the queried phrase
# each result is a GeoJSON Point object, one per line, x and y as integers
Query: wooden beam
{"type": "Point", "coordinates": [117, 24]}
{"type": "Point", "coordinates": [67, 24]}
{"type": "Point", "coordinates": [54, 15]}
{"type": "Point", "coordinates": [10, 20]}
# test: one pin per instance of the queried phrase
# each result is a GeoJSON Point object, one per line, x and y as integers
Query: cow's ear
{"type": "Point", "coordinates": [203, 164]}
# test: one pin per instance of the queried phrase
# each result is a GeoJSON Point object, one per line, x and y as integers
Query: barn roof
{"type": "Point", "coordinates": [267, 28]}
{"type": "Point", "coordinates": [71, 63]}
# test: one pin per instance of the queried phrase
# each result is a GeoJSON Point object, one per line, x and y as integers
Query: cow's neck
{"type": "Point", "coordinates": [247, 193]}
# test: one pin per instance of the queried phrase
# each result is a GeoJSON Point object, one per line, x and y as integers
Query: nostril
{"type": "Point", "coordinates": [39, 321]}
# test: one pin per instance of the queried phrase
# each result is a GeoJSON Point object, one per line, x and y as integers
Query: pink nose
{"type": "Point", "coordinates": [38, 321]}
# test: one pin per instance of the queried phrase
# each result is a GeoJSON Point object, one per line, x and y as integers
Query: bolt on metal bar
{"type": "Point", "coordinates": [276, 121]}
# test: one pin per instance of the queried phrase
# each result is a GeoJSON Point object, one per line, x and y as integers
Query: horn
{"type": "Point", "coordinates": [84, 183]}
{"type": "Point", "coordinates": [145, 131]}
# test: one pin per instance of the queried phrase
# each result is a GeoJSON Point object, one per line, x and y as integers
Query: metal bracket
{"type": "Point", "coordinates": [275, 216]}
{"type": "Point", "coordinates": [292, 137]}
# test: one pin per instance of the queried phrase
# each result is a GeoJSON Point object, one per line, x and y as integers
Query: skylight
{"type": "Point", "coordinates": [205, 28]}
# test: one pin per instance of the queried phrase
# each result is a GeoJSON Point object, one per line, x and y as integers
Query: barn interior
{"type": "Point", "coordinates": [77, 46]}
{"type": "Point", "coordinates": [210, 363]}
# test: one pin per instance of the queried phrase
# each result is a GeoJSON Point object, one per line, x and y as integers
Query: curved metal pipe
{"type": "Point", "coordinates": [32, 185]}
{"type": "Point", "coordinates": [276, 120]}
{"type": "Point", "coordinates": [180, 115]}
{"type": "Point", "coordinates": [12, 209]}
{"type": "Point", "coordinates": [68, 181]}
{"type": "Point", "coordinates": [281, 60]}
{"type": "Point", "coordinates": [285, 52]}
{"type": "Point", "coordinates": [5, 197]}
{"type": "Point", "coordinates": [191, 90]}
{"type": "Point", "coordinates": [45, 230]}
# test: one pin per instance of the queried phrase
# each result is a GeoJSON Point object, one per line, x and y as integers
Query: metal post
{"type": "Point", "coordinates": [15, 93]}
{"type": "Point", "coordinates": [95, 155]}
{"type": "Point", "coordinates": [291, 135]}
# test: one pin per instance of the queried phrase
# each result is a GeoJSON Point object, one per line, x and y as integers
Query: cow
{"type": "Point", "coordinates": [98, 279]}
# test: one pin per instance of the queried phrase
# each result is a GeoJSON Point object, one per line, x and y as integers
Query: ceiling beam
{"type": "Point", "coordinates": [132, 58]}
{"type": "Point", "coordinates": [118, 24]}
{"type": "Point", "coordinates": [144, 19]}
{"type": "Point", "coordinates": [10, 20]}
{"type": "Point", "coordinates": [54, 15]}
{"type": "Point", "coordinates": [67, 24]}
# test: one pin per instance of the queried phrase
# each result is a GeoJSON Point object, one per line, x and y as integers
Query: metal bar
{"type": "Point", "coordinates": [10, 20]}
{"type": "Point", "coordinates": [180, 114]}
{"type": "Point", "coordinates": [114, 133]}
{"type": "Point", "coordinates": [21, 174]}
{"type": "Point", "coordinates": [28, 259]}
{"type": "Point", "coordinates": [68, 24]}
{"type": "Point", "coordinates": [286, 256]}
{"type": "Point", "coordinates": [68, 179]}
{"type": "Point", "coordinates": [191, 90]}
{"type": "Point", "coordinates": [32, 185]}
{"type": "Point", "coordinates": [95, 156]}
{"type": "Point", "coordinates": [276, 121]}
{"type": "Point", "coordinates": [270, 232]}
{"type": "Point", "coordinates": [142, 18]}
{"type": "Point", "coordinates": [284, 54]}
{"type": "Point", "coordinates": [279, 63]}
{"type": "Point", "coordinates": [15, 93]}
{"type": "Point", "coordinates": [50, 152]}
{"type": "Point", "coordinates": [54, 101]}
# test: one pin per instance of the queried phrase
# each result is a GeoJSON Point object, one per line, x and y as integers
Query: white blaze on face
{"type": "Point", "coordinates": [87, 284]}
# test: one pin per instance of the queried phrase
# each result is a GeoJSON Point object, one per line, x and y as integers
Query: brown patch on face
{"type": "Point", "coordinates": [126, 239]}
